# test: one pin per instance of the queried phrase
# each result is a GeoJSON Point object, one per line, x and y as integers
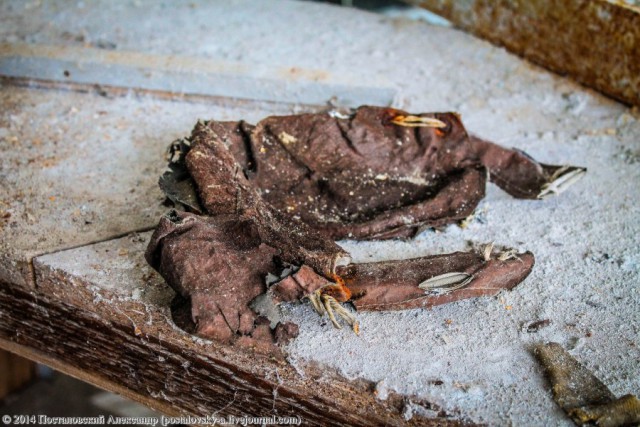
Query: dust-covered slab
{"type": "Point", "coordinates": [78, 168]}
{"type": "Point", "coordinates": [187, 75]}
{"type": "Point", "coordinates": [110, 276]}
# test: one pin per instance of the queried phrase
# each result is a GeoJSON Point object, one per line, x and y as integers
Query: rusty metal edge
{"type": "Point", "coordinates": [595, 42]}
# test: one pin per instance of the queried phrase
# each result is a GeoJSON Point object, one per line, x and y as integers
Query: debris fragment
{"type": "Point", "coordinates": [537, 325]}
{"type": "Point", "coordinates": [381, 390]}
{"type": "Point", "coordinates": [581, 395]}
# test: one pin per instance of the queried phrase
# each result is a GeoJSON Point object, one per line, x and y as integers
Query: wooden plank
{"type": "Point", "coordinates": [596, 42]}
{"type": "Point", "coordinates": [15, 372]}
{"type": "Point", "coordinates": [33, 355]}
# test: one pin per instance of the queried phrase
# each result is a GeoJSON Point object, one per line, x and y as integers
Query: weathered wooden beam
{"type": "Point", "coordinates": [596, 42]}
{"type": "Point", "coordinates": [177, 375]}
{"type": "Point", "coordinates": [101, 314]}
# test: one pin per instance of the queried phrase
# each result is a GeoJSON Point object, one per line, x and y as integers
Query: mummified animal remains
{"type": "Point", "coordinates": [274, 196]}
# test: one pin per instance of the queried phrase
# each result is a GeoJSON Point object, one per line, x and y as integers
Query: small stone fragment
{"type": "Point", "coordinates": [537, 325]}
{"type": "Point", "coordinates": [581, 395]}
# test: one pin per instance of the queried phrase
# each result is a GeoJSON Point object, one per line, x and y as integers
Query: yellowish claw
{"type": "Point", "coordinates": [327, 302]}
{"type": "Point", "coordinates": [323, 303]}
{"type": "Point", "coordinates": [416, 121]}
{"type": "Point", "coordinates": [356, 328]}
{"type": "Point", "coordinates": [315, 299]}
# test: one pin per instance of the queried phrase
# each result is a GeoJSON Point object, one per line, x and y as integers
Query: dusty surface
{"type": "Point", "coordinates": [117, 326]}
{"type": "Point", "coordinates": [116, 269]}
{"type": "Point", "coordinates": [188, 75]}
{"type": "Point", "coordinates": [80, 168]}
{"type": "Point", "coordinates": [473, 356]}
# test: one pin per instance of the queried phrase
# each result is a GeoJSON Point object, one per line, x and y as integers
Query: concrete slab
{"type": "Point", "coordinates": [79, 168]}
{"type": "Point", "coordinates": [97, 275]}
{"type": "Point", "coordinates": [188, 75]}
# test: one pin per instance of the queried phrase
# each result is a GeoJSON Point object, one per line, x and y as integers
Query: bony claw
{"type": "Point", "coordinates": [328, 298]}
{"type": "Point", "coordinates": [561, 180]}
{"type": "Point", "coordinates": [417, 121]}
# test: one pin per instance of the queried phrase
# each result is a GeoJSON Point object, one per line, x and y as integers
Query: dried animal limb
{"type": "Point", "coordinates": [583, 396]}
{"type": "Point", "coordinates": [412, 283]}
{"type": "Point", "coordinates": [519, 175]}
{"type": "Point", "coordinates": [399, 285]}
{"type": "Point", "coordinates": [278, 193]}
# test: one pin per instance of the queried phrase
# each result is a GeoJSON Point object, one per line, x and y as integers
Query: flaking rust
{"type": "Point", "coordinates": [267, 201]}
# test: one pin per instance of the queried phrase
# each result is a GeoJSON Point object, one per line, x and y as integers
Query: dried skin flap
{"type": "Point", "coordinates": [224, 190]}
{"type": "Point", "coordinates": [219, 264]}
{"type": "Point", "coordinates": [365, 176]}
{"type": "Point", "coordinates": [298, 285]}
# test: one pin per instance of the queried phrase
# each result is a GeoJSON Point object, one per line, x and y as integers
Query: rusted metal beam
{"type": "Point", "coordinates": [596, 42]}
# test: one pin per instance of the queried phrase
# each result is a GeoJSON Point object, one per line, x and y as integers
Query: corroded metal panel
{"type": "Point", "coordinates": [596, 42]}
